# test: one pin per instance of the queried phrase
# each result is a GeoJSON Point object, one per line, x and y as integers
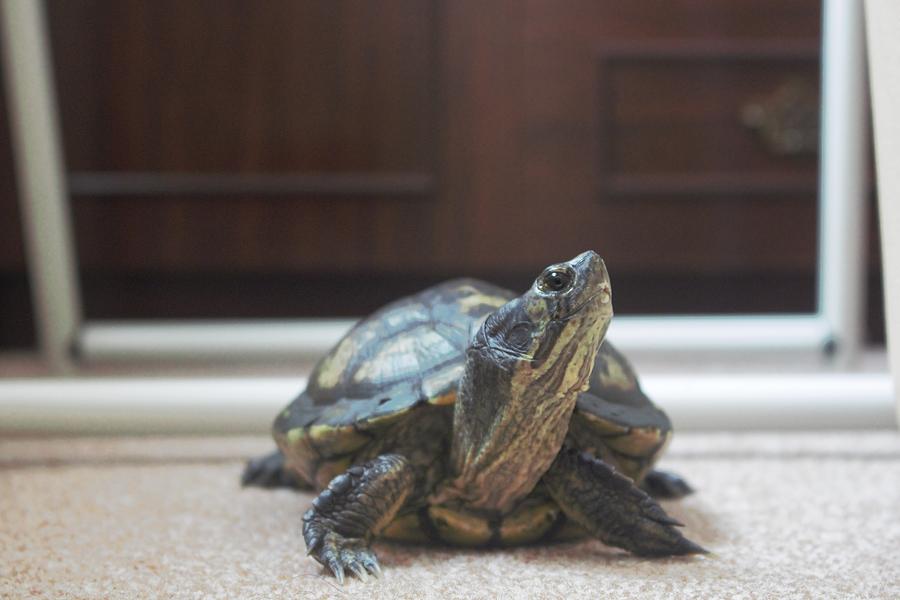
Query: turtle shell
{"type": "Point", "coordinates": [411, 353]}
{"type": "Point", "coordinates": [615, 420]}
{"type": "Point", "coordinates": [407, 354]}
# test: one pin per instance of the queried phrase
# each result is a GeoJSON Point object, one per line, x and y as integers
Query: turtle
{"type": "Point", "coordinates": [468, 415]}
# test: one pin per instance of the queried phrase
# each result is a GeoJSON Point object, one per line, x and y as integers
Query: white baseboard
{"type": "Point", "coordinates": [248, 405]}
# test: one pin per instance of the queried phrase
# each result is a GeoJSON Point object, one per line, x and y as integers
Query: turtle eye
{"type": "Point", "coordinates": [556, 279]}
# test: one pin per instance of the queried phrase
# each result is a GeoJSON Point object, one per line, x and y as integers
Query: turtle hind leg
{"type": "Point", "coordinates": [269, 472]}
{"type": "Point", "coordinates": [613, 508]}
{"type": "Point", "coordinates": [355, 506]}
{"type": "Point", "coordinates": [666, 485]}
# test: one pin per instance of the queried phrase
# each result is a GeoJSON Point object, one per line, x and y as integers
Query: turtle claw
{"type": "Point", "coordinates": [371, 564]}
{"type": "Point", "coordinates": [358, 570]}
{"type": "Point", "coordinates": [337, 569]}
{"type": "Point", "coordinates": [341, 554]}
{"type": "Point", "coordinates": [340, 523]}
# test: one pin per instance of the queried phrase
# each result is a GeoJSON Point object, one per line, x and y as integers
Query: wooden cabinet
{"type": "Point", "coordinates": [249, 136]}
{"type": "Point", "coordinates": [237, 158]}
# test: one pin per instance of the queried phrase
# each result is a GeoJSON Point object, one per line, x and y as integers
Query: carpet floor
{"type": "Point", "coordinates": [786, 516]}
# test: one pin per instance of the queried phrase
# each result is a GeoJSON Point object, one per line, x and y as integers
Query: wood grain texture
{"type": "Point", "coordinates": [231, 85]}
{"type": "Point", "coordinates": [256, 140]}
{"type": "Point", "coordinates": [324, 101]}
{"type": "Point", "coordinates": [500, 103]}
{"type": "Point", "coordinates": [533, 173]}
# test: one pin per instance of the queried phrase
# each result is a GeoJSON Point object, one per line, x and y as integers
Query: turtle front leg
{"type": "Point", "coordinates": [612, 507]}
{"type": "Point", "coordinates": [355, 506]}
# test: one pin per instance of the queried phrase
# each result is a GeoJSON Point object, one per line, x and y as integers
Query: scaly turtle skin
{"type": "Point", "coordinates": [466, 415]}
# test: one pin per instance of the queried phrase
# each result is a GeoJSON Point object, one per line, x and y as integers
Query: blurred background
{"type": "Point", "coordinates": [233, 159]}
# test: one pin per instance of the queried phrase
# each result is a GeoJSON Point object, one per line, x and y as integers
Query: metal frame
{"type": "Point", "coordinates": [843, 182]}
{"type": "Point", "coordinates": [41, 179]}
{"type": "Point", "coordinates": [882, 17]}
{"type": "Point", "coordinates": [835, 327]}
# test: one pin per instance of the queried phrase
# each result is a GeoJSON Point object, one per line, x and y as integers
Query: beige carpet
{"type": "Point", "coordinates": [787, 515]}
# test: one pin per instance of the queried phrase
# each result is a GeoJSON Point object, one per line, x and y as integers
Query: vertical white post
{"type": "Point", "coordinates": [41, 178]}
{"type": "Point", "coordinates": [842, 175]}
{"type": "Point", "coordinates": [882, 17]}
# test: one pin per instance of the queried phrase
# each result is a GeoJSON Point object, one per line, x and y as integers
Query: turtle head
{"type": "Point", "coordinates": [567, 305]}
{"type": "Point", "coordinates": [524, 370]}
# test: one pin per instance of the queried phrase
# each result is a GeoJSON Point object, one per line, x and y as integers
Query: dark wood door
{"type": "Point", "coordinates": [236, 158]}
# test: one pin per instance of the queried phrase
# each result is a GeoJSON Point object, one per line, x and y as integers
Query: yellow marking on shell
{"type": "Point", "coordinates": [405, 528]}
{"type": "Point", "coordinates": [641, 441]}
{"type": "Point", "coordinates": [431, 343]}
{"type": "Point", "coordinates": [443, 400]}
{"type": "Point", "coordinates": [399, 358]}
{"type": "Point", "coordinates": [528, 523]}
{"type": "Point", "coordinates": [438, 386]}
{"type": "Point", "coordinates": [293, 436]}
{"type": "Point", "coordinates": [602, 426]}
{"type": "Point", "coordinates": [403, 315]}
{"type": "Point", "coordinates": [396, 359]}
{"type": "Point", "coordinates": [333, 366]}
{"type": "Point", "coordinates": [371, 423]}
{"type": "Point", "coordinates": [329, 470]}
{"type": "Point", "coordinates": [463, 529]}
{"type": "Point", "coordinates": [616, 376]}
{"type": "Point", "coordinates": [299, 454]}
{"type": "Point", "coordinates": [332, 441]}
{"type": "Point", "coordinates": [468, 304]}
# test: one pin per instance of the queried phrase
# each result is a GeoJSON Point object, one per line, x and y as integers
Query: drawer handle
{"type": "Point", "coordinates": [786, 120]}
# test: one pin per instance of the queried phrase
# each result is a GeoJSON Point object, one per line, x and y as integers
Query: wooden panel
{"type": "Point", "coordinates": [194, 128]}
{"type": "Point", "coordinates": [109, 183]}
{"type": "Point", "coordinates": [525, 143]}
{"type": "Point", "coordinates": [690, 186]}
{"type": "Point", "coordinates": [242, 233]}
{"type": "Point", "coordinates": [679, 107]}
{"type": "Point", "coordinates": [345, 88]}
{"type": "Point", "coordinates": [711, 234]}
{"type": "Point", "coordinates": [233, 85]}
{"type": "Point", "coordinates": [590, 20]}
